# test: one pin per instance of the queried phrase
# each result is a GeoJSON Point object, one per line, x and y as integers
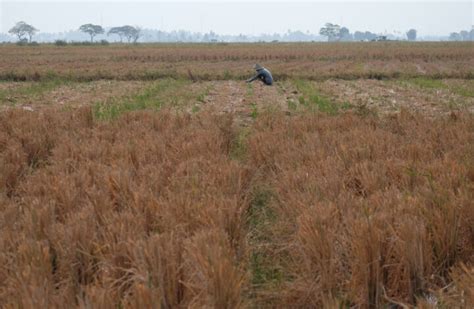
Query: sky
{"type": "Point", "coordinates": [437, 18]}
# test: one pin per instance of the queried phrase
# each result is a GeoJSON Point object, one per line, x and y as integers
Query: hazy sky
{"type": "Point", "coordinates": [248, 17]}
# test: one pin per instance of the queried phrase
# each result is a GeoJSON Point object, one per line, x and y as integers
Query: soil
{"type": "Point", "coordinates": [245, 101]}
{"type": "Point", "coordinates": [388, 97]}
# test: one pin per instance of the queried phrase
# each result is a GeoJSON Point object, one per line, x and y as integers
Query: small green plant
{"type": "Point", "coordinates": [428, 83]}
{"type": "Point", "coordinates": [301, 100]}
{"type": "Point", "coordinates": [201, 97]}
{"type": "Point", "coordinates": [254, 112]}
{"type": "Point", "coordinates": [292, 105]}
{"type": "Point", "coordinates": [227, 75]}
{"type": "Point", "coordinates": [249, 90]}
{"type": "Point", "coordinates": [195, 109]}
{"type": "Point", "coordinates": [346, 105]}
{"type": "Point", "coordinates": [239, 149]}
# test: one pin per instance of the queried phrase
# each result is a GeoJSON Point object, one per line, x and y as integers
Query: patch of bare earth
{"type": "Point", "coordinates": [6, 90]}
{"type": "Point", "coordinates": [391, 96]}
{"type": "Point", "coordinates": [244, 100]}
{"type": "Point", "coordinates": [5, 86]}
{"type": "Point", "coordinates": [89, 93]}
{"type": "Point", "coordinates": [70, 95]}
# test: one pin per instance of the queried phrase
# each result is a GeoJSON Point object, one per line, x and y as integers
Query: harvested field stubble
{"type": "Point", "coordinates": [316, 61]}
{"type": "Point", "coordinates": [376, 211]}
{"type": "Point", "coordinates": [115, 213]}
{"type": "Point", "coordinates": [155, 208]}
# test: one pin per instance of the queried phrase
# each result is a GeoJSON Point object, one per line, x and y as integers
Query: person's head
{"type": "Point", "coordinates": [258, 67]}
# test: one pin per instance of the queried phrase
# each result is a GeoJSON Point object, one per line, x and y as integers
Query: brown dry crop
{"type": "Point", "coordinates": [372, 212]}
{"type": "Point", "coordinates": [153, 210]}
{"type": "Point", "coordinates": [315, 61]}
{"type": "Point", "coordinates": [192, 193]}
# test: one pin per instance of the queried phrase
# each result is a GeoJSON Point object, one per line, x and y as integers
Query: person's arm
{"type": "Point", "coordinates": [253, 78]}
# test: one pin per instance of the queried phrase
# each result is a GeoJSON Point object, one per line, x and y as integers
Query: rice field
{"type": "Point", "coordinates": [153, 176]}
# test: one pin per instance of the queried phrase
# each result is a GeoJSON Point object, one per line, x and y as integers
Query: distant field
{"type": "Point", "coordinates": [153, 176]}
{"type": "Point", "coordinates": [231, 61]}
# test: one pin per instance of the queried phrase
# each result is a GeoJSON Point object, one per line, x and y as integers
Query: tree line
{"type": "Point", "coordinates": [130, 33]}
{"type": "Point", "coordinates": [462, 35]}
{"type": "Point", "coordinates": [333, 32]}
{"type": "Point", "coordinates": [336, 33]}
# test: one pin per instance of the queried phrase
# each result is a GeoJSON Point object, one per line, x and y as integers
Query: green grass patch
{"type": "Point", "coordinates": [263, 270]}
{"type": "Point", "coordinates": [163, 92]}
{"type": "Point", "coordinates": [311, 98]}
{"type": "Point", "coordinates": [346, 106]}
{"type": "Point", "coordinates": [428, 83]}
{"type": "Point", "coordinates": [238, 149]}
{"type": "Point", "coordinates": [260, 219]}
{"type": "Point", "coordinates": [227, 75]}
{"type": "Point", "coordinates": [41, 87]}
{"type": "Point", "coordinates": [30, 91]}
{"type": "Point", "coordinates": [464, 90]}
{"type": "Point", "coordinates": [259, 213]}
{"type": "Point", "coordinates": [254, 110]}
{"type": "Point", "coordinates": [249, 90]}
{"type": "Point", "coordinates": [201, 97]}
{"type": "Point", "coordinates": [195, 109]}
{"type": "Point", "coordinates": [292, 106]}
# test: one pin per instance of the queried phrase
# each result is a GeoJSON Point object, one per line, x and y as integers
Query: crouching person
{"type": "Point", "coordinates": [263, 74]}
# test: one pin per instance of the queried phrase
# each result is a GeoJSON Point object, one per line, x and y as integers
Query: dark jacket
{"type": "Point", "coordinates": [264, 75]}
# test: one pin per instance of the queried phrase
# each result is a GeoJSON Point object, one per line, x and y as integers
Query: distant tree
{"type": "Point", "coordinates": [132, 34]}
{"type": "Point", "coordinates": [118, 31]}
{"type": "Point", "coordinates": [471, 34]}
{"type": "Point", "coordinates": [242, 38]}
{"type": "Point", "coordinates": [136, 34]}
{"type": "Point", "coordinates": [92, 30]}
{"type": "Point", "coordinates": [370, 36]}
{"type": "Point", "coordinates": [345, 35]}
{"type": "Point", "coordinates": [411, 35]}
{"type": "Point", "coordinates": [464, 35]}
{"type": "Point", "coordinates": [332, 31]}
{"type": "Point", "coordinates": [21, 29]}
{"type": "Point", "coordinates": [359, 36]}
{"type": "Point", "coordinates": [454, 36]}
{"type": "Point", "coordinates": [210, 37]}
